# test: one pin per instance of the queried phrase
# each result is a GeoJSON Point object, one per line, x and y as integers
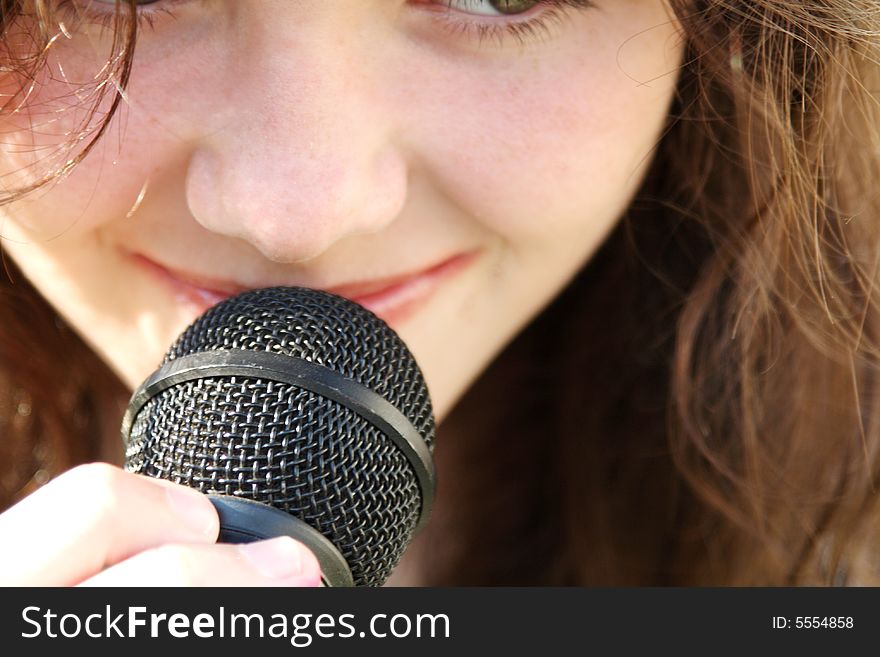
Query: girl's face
{"type": "Point", "coordinates": [450, 164]}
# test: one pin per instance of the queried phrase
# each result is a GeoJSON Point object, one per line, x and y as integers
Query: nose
{"type": "Point", "coordinates": [299, 153]}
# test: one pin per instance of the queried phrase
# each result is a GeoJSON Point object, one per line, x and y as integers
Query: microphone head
{"type": "Point", "coordinates": [303, 401]}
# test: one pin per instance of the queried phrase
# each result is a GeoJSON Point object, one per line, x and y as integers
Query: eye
{"type": "Point", "coordinates": [104, 12]}
{"type": "Point", "coordinates": [493, 7]}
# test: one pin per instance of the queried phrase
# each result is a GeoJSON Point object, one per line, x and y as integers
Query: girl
{"type": "Point", "coordinates": [632, 244]}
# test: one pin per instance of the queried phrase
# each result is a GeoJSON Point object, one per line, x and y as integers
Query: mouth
{"type": "Point", "coordinates": [393, 298]}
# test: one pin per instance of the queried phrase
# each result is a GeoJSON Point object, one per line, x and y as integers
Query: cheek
{"type": "Point", "coordinates": [532, 170]}
{"type": "Point", "coordinates": [64, 109]}
{"type": "Point", "coordinates": [101, 189]}
{"type": "Point", "coordinates": [543, 148]}
{"type": "Point", "coordinates": [107, 185]}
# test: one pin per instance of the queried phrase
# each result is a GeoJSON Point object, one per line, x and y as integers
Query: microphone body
{"type": "Point", "coordinates": [299, 413]}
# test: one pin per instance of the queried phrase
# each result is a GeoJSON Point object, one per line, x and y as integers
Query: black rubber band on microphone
{"type": "Point", "coordinates": [244, 521]}
{"type": "Point", "coordinates": [307, 375]}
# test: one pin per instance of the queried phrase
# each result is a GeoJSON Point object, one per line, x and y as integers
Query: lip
{"type": "Point", "coordinates": [394, 298]}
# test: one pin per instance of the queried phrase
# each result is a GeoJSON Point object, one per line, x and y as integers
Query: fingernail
{"type": "Point", "coordinates": [195, 510]}
{"type": "Point", "coordinates": [274, 558]}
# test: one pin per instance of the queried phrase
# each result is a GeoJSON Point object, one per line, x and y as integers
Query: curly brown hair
{"type": "Point", "coordinates": [699, 406]}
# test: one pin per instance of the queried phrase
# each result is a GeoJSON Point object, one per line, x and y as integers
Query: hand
{"type": "Point", "coordinates": [99, 525]}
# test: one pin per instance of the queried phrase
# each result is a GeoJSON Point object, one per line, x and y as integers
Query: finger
{"type": "Point", "coordinates": [276, 562]}
{"type": "Point", "coordinates": [94, 516]}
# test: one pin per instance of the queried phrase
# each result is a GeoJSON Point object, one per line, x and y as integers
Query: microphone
{"type": "Point", "coordinates": [299, 413]}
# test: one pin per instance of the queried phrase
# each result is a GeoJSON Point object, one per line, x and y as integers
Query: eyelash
{"type": "Point", "coordinates": [531, 24]}
{"type": "Point", "coordinates": [146, 15]}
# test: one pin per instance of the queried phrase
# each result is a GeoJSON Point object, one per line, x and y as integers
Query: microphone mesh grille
{"type": "Point", "coordinates": [286, 446]}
